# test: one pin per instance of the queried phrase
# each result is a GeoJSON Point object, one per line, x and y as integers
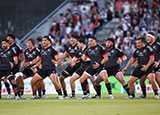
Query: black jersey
{"type": "Point", "coordinates": [31, 55]}
{"type": "Point", "coordinates": [143, 55]}
{"type": "Point", "coordinates": [95, 53]}
{"type": "Point", "coordinates": [17, 49]}
{"type": "Point", "coordinates": [47, 56]}
{"type": "Point", "coordinates": [5, 58]}
{"type": "Point", "coordinates": [113, 54]}
{"type": "Point", "coordinates": [72, 50]}
{"type": "Point", "coordinates": [156, 50]}
{"type": "Point", "coordinates": [79, 54]}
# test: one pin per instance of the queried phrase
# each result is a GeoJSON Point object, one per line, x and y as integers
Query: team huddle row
{"type": "Point", "coordinates": [83, 62]}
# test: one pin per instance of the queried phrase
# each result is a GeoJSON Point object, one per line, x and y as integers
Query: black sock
{"type": "Point", "coordinates": [88, 92]}
{"type": "Point", "coordinates": [21, 90]}
{"type": "Point", "coordinates": [65, 93]}
{"type": "Point", "coordinates": [132, 93]}
{"type": "Point", "coordinates": [126, 87]}
{"type": "Point", "coordinates": [84, 88]}
{"type": "Point", "coordinates": [16, 93]}
{"type": "Point", "coordinates": [34, 93]}
{"type": "Point", "coordinates": [155, 92]}
{"type": "Point", "coordinates": [39, 94]}
{"type": "Point", "coordinates": [44, 92]}
{"type": "Point", "coordinates": [73, 93]}
{"type": "Point", "coordinates": [144, 90]}
{"type": "Point", "coordinates": [108, 85]}
{"type": "Point", "coordinates": [59, 92]}
{"type": "Point", "coordinates": [98, 90]}
{"type": "Point", "coordinates": [8, 88]}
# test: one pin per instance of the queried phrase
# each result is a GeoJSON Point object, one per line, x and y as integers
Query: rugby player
{"type": "Point", "coordinates": [19, 52]}
{"type": "Point", "coordinates": [156, 50]}
{"type": "Point", "coordinates": [8, 60]}
{"type": "Point", "coordinates": [145, 59]}
{"type": "Point", "coordinates": [72, 67]}
{"type": "Point", "coordinates": [78, 73]}
{"type": "Point", "coordinates": [30, 54]}
{"type": "Point", "coordinates": [98, 57]}
{"type": "Point", "coordinates": [112, 66]}
{"type": "Point", "coordinates": [48, 57]}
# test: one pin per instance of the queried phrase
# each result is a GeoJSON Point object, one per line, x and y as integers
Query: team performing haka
{"type": "Point", "coordinates": [83, 62]}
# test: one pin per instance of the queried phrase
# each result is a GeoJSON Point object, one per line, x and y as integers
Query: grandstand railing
{"type": "Point", "coordinates": [44, 20]}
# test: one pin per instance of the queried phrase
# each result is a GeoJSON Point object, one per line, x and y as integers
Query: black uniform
{"type": "Point", "coordinates": [84, 64]}
{"type": "Point", "coordinates": [18, 50]}
{"type": "Point", "coordinates": [5, 58]}
{"type": "Point", "coordinates": [72, 50]}
{"type": "Point", "coordinates": [111, 65]}
{"type": "Point", "coordinates": [142, 56]}
{"type": "Point", "coordinates": [156, 50]}
{"type": "Point", "coordinates": [48, 66]}
{"type": "Point", "coordinates": [96, 55]}
{"type": "Point", "coordinates": [29, 56]}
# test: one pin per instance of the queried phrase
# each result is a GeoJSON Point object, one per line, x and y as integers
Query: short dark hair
{"type": "Point", "coordinates": [142, 39]}
{"type": "Point", "coordinates": [11, 35]}
{"type": "Point", "coordinates": [81, 41]}
{"type": "Point", "coordinates": [5, 40]}
{"type": "Point", "coordinates": [93, 37]}
{"type": "Point", "coordinates": [74, 35]}
{"type": "Point", "coordinates": [110, 39]}
{"type": "Point", "coordinates": [30, 39]}
{"type": "Point", "coordinates": [47, 38]}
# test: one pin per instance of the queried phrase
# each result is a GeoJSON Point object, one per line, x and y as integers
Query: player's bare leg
{"type": "Point", "coordinates": [131, 85]}
{"type": "Point", "coordinates": [151, 78]}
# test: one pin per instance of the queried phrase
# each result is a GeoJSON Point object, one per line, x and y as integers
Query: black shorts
{"type": "Point", "coordinates": [28, 72]}
{"type": "Point", "coordinates": [5, 73]}
{"type": "Point", "coordinates": [71, 69]}
{"type": "Point", "coordinates": [92, 71]}
{"type": "Point", "coordinates": [112, 70]}
{"type": "Point", "coordinates": [138, 73]}
{"type": "Point", "coordinates": [157, 69]}
{"type": "Point", "coordinates": [82, 68]}
{"type": "Point", "coordinates": [15, 69]}
{"type": "Point", "coordinates": [46, 72]}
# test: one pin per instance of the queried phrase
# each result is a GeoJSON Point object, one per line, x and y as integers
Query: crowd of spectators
{"type": "Point", "coordinates": [137, 17]}
{"type": "Point", "coordinates": [83, 18]}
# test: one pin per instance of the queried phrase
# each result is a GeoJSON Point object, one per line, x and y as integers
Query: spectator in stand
{"type": "Point", "coordinates": [128, 40]}
{"type": "Point", "coordinates": [118, 8]}
{"type": "Point", "coordinates": [96, 23]}
{"type": "Point", "coordinates": [126, 7]}
{"type": "Point", "coordinates": [69, 28]}
{"type": "Point", "coordinates": [69, 16]}
{"type": "Point", "coordinates": [85, 20]}
{"type": "Point", "coordinates": [75, 8]}
{"type": "Point", "coordinates": [55, 29]}
{"type": "Point", "coordinates": [88, 29]}
{"type": "Point", "coordinates": [84, 5]}
{"type": "Point", "coordinates": [57, 43]}
{"type": "Point", "coordinates": [63, 30]}
{"type": "Point", "coordinates": [112, 35]}
{"type": "Point", "coordinates": [62, 19]}
{"type": "Point", "coordinates": [110, 12]}
{"type": "Point", "coordinates": [102, 17]}
{"type": "Point", "coordinates": [65, 41]}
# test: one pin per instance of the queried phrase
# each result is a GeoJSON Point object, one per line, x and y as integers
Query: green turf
{"type": "Point", "coordinates": [53, 106]}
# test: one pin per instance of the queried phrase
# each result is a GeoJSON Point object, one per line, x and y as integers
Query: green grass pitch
{"type": "Point", "coordinates": [53, 106]}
